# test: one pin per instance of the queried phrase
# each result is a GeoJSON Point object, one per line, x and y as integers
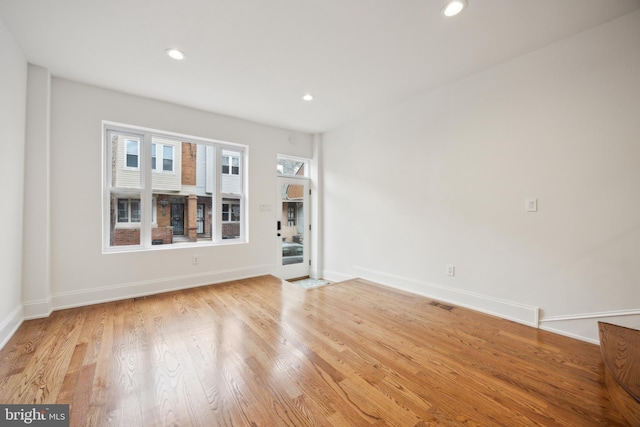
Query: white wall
{"type": "Point", "coordinates": [13, 89]}
{"type": "Point", "coordinates": [442, 179]}
{"type": "Point", "coordinates": [36, 266]}
{"type": "Point", "coordinates": [80, 272]}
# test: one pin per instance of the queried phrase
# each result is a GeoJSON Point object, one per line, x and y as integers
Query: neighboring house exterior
{"type": "Point", "coordinates": [183, 186]}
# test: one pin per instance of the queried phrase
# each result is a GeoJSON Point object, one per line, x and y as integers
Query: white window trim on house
{"type": "Point", "coordinates": [230, 204]}
{"type": "Point", "coordinates": [231, 163]}
{"type": "Point", "coordinates": [126, 154]}
{"type": "Point", "coordinates": [134, 224]}
{"type": "Point", "coordinates": [145, 192]}
{"type": "Point", "coordinates": [160, 157]}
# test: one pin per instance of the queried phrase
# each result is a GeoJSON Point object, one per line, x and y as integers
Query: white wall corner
{"type": "Point", "coordinates": [316, 209]}
{"type": "Point", "coordinates": [37, 309]}
{"type": "Point", "coordinates": [10, 325]}
{"type": "Point", "coordinates": [36, 255]}
{"type": "Point", "coordinates": [520, 313]}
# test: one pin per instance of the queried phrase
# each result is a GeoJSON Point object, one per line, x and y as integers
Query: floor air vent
{"type": "Point", "coordinates": [442, 306]}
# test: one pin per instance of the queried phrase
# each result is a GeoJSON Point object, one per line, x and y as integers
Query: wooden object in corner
{"type": "Point", "coordinates": [620, 347]}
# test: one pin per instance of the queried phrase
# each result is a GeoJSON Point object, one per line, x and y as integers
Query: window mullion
{"type": "Point", "coordinates": [146, 194]}
{"type": "Point", "coordinates": [216, 216]}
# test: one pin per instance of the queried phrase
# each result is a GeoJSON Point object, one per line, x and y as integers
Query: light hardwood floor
{"type": "Point", "coordinates": [262, 352]}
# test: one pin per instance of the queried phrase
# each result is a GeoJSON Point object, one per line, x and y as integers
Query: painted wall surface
{"type": "Point", "coordinates": [13, 90]}
{"type": "Point", "coordinates": [80, 272]}
{"type": "Point", "coordinates": [36, 286]}
{"type": "Point", "coordinates": [442, 179]}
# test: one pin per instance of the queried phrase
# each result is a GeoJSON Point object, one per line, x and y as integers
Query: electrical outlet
{"type": "Point", "coordinates": [195, 260]}
{"type": "Point", "coordinates": [531, 205]}
{"type": "Point", "coordinates": [451, 270]}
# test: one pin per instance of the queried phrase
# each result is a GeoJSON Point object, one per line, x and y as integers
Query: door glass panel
{"type": "Point", "coordinates": [292, 224]}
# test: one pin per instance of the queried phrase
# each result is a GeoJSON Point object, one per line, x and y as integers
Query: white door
{"type": "Point", "coordinates": [293, 228]}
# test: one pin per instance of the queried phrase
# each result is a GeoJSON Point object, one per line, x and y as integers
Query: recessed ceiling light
{"type": "Point", "coordinates": [175, 54]}
{"type": "Point", "coordinates": [453, 7]}
{"type": "Point", "coordinates": [307, 97]}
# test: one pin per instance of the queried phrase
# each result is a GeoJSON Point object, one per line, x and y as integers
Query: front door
{"type": "Point", "coordinates": [177, 218]}
{"type": "Point", "coordinates": [293, 226]}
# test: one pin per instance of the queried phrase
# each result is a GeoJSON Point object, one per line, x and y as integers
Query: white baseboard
{"type": "Point", "coordinates": [37, 309]}
{"type": "Point", "coordinates": [584, 326]}
{"type": "Point", "coordinates": [520, 313]}
{"type": "Point", "coordinates": [334, 276]}
{"type": "Point", "coordinates": [567, 333]}
{"type": "Point", "coordinates": [10, 325]}
{"type": "Point", "coordinates": [150, 287]}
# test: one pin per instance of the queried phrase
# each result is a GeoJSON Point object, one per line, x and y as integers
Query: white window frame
{"type": "Point", "coordinates": [145, 191]}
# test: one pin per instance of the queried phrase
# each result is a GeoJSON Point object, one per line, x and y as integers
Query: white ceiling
{"type": "Point", "coordinates": [254, 59]}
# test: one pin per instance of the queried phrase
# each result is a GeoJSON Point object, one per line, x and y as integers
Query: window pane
{"type": "Point", "coordinates": [153, 156]}
{"type": "Point", "coordinates": [292, 167]}
{"type": "Point", "coordinates": [231, 219]}
{"type": "Point", "coordinates": [135, 210]}
{"type": "Point", "coordinates": [123, 210]}
{"type": "Point", "coordinates": [200, 219]}
{"type": "Point", "coordinates": [167, 158]}
{"type": "Point", "coordinates": [168, 154]}
{"type": "Point", "coordinates": [183, 200]}
{"type": "Point", "coordinates": [121, 233]}
{"type": "Point", "coordinates": [162, 231]}
{"type": "Point", "coordinates": [292, 220]}
{"type": "Point", "coordinates": [231, 182]}
{"type": "Point", "coordinates": [225, 165]}
{"type": "Point", "coordinates": [132, 154]}
{"type": "Point", "coordinates": [121, 175]}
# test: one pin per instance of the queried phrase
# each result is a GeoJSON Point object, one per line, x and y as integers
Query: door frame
{"type": "Point", "coordinates": [292, 271]}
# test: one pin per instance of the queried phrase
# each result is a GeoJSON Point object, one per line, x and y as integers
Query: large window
{"type": "Point", "coordinates": [166, 189]}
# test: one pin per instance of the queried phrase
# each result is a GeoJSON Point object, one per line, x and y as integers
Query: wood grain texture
{"type": "Point", "coordinates": [263, 352]}
{"type": "Point", "coordinates": [620, 348]}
